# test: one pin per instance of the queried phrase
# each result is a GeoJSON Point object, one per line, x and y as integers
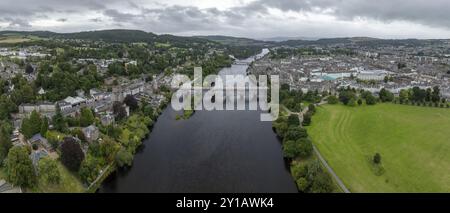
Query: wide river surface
{"type": "Point", "coordinates": [213, 151]}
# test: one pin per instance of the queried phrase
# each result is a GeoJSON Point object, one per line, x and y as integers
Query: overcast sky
{"type": "Point", "coordinates": [247, 18]}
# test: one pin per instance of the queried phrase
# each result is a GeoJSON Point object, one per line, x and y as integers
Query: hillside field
{"type": "Point", "coordinates": [414, 143]}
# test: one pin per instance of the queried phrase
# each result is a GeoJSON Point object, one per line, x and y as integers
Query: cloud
{"type": "Point", "coordinates": [250, 18]}
{"type": "Point", "coordinates": [97, 20]}
{"type": "Point", "coordinates": [17, 23]}
{"type": "Point", "coordinates": [431, 12]}
{"type": "Point", "coordinates": [119, 17]}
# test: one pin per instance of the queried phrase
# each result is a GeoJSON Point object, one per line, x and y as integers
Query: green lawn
{"type": "Point", "coordinates": [68, 183]}
{"type": "Point", "coordinates": [414, 143]}
{"type": "Point", "coordinates": [13, 39]}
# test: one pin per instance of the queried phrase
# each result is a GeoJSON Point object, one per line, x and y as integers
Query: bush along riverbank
{"type": "Point", "coordinates": [305, 168]}
{"type": "Point", "coordinates": [119, 145]}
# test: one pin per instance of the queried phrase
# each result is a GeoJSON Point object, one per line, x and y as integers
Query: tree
{"type": "Point", "coordinates": [48, 170]}
{"type": "Point", "coordinates": [312, 108]}
{"type": "Point", "coordinates": [124, 158]}
{"type": "Point", "coordinates": [403, 96]}
{"type": "Point", "coordinates": [116, 68]}
{"type": "Point", "coordinates": [293, 120]}
{"type": "Point", "coordinates": [302, 184]}
{"type": "Point", "coordinates": [332, 99]}
{"type": "Point", "coordinates": [298, 148]}
{"type": "Point", "coordinates": [19, 168]}
{"type": "Point", "coordinates": [295, 133]}
{"type": "Point", "coordinates": [35, 122]}
{"type": "Point", "coordinates": [307, 119]}
{"type": "Point", "coordinates": [322, 183]}
{"type": "Point", "coordinates": [26, 128]}
{"type": "Point", "coordinates": [370, 100]}
{"type": "Point", "coordinates": [5, 140]}
{"type": "Point", "coordinates": [360, 102]}
{"type": "Point", "coordinates": [386, 96]}
{"type": "Point", "coordinates": [290, 149]}
{"type": "Point", "coordinates": [377, 158]}
{"type": "Point", "coordinates": [108, 149]}
{"type": "Point", "coordinates": [428, 94]}
{"type": "Point", "coordinates": [305, 148]}
{"type": "Point", "coordinates": [7, 106]}
{"type": "Point", "coordinates": [32, 125]}
{"type": "Point", "coordinates": [44, 126]}
{"type": "Point", "coordinates": [77, 132]}
{"type": "Point", "coordinates": [281, 127]}
{"type": "Point", "coordinates": [435, 96]}
{"type": "Point", "coordinates": [311, 178]}
{"type": "Point", "coordinates": [131, 102]}
{"type": "Point", "coordinates": [58, 120]}
{"type": "Point", "coordinates": [352, 102]}
{"type": "Point", "coordinates": [418, 95]}
{"type": "Point", "coordinates": [71, 154]}
{"type": "Point", "coordinates": [23, 91]}
{"type": "Point", "coordinates": [148, 111]}
{"type": "Point", "coordinates": [90, 169]}
{"type": "Point", "coordinates": [86, 117]}
{"type": "Point", "coordinates": [346, 95]}
{"type": "Point", "coordinates": [119, 110]}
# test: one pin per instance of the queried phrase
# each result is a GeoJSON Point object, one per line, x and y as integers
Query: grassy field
{"type": "Point", "coordinates": [414, 143]}
{"type": "Point", "coordinates": [68, 183]}
{"type": "Point", "coordinates": [13, 39]}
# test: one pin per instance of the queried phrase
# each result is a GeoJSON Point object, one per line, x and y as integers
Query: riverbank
{"type": "Point", "coordinates": [211, 152]}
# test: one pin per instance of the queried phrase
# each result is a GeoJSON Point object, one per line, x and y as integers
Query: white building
{"type": "Point", "coordinates": [375, 75]}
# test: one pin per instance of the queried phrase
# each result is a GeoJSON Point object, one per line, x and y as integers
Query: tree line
{"type": "Point", "coordinates": [416, 96]}
{"type": "Point", "coordinates": [298, 149]}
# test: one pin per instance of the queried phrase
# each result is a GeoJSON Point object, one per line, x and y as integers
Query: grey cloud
{"type": "Point", "coordinates": [17, 23]}
{"type": "Point", "coordinates": [179, 19]}
{"type": "Point", "coordinates": [95, 20]}
{"type": "Point", "coordinates": [432, 12]}
{"type": "Point", "coordinates": [250, 17]}
{"type": "Point", "coordinates": [119, 16]}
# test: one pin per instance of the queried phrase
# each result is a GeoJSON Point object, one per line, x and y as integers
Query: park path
{"type": "Point", "coordinates": [104, 170]}
{"type": "Point", "coordinates": [316, 151]}
{"type": "Point", "coordinates": [330, 170]}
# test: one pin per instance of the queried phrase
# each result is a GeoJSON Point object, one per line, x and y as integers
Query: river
{"type": "Point", "coordinates": [213, 151]}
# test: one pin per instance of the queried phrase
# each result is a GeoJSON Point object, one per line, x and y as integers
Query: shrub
{"type": "Point", "coordinates": [332, 99]}
{"type": "Point", "coordinates": [377, 158]}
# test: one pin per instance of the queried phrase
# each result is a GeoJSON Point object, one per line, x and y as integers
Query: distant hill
{"type": "Point", "coordinates": [117, 35]}
{"type": "Point", "coordinates": [108, 35]}
{"type": "Point", "coordinates": [281, 39]}
{"type": "Point", "coordinates": [236, 41]}
{"type": "Point", "coordinates": [112, 35]}
{"type": "Point", "coordinates": [362, 41]}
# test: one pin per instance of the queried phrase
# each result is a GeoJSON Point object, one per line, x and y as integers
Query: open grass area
{"type": "Point", "coordinates": [414, 143]}
{"type": "Point", "coordinates": [159, 44]}
{"type": "Point", "coordinates": [68, 183]}
{"type": "Point", "coordinates": [12, 39]}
